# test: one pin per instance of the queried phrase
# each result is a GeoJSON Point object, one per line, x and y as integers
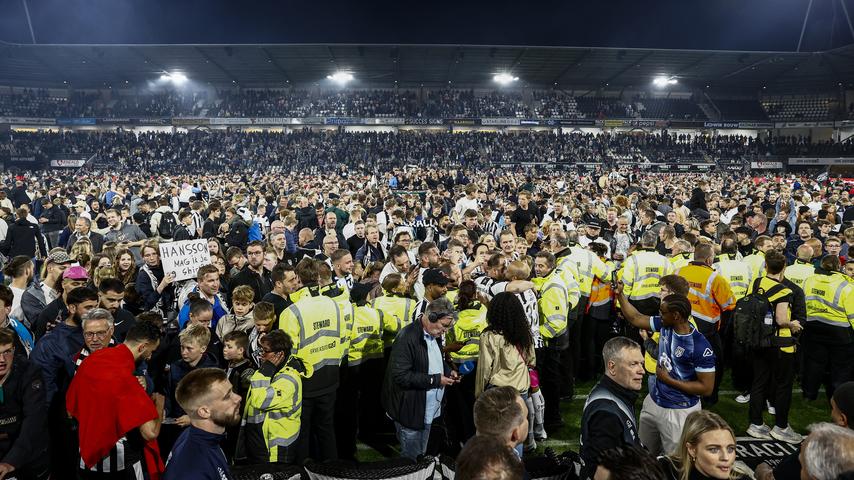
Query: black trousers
{"type": "Point", "coordinates": [548, 367]}
{"type": "Point", "coordinates": [709, 330]}
{"type": "Point", "coordinates": [570, 358]}
{"type": "Point", "coordinates": [458, 413]}
{"type": "Point", "coordinates": [821, 358]}
{"type": "Point", "coordinates": [773, 375]}
{"type": "Point", "coordinates": [317, 429]}
{"type": "Point", "coordinates": [741, 367]}
{"type": "Point", "coordinates": [603, 330]}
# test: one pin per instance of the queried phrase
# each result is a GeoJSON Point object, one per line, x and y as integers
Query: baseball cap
{"type": "Point", "coordinates": [75, 273]}
{"type": "Point", "coordinates": [59, 258]}
{"type": "Point", "coordinates": [434, 276]}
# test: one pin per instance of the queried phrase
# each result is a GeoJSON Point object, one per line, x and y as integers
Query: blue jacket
{"type": "Point", "coordinates": [219, 311]}
{"type": "Point", "coordinates": [54, 353]}
{"type": "Point", "coordinates": [197, 455]}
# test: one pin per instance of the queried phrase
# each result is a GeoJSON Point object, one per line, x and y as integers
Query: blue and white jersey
{"type": "Point", "coordinates": [684, 356]}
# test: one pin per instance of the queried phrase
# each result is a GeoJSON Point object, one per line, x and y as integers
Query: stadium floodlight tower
{"type": "Point", "coordinates": [504, 79]}
{"type": "Point", "coordinates": [341, 78]}
{"type": "Point", "coordinates": [663, 81]}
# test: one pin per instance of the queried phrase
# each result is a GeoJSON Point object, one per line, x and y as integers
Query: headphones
{"type": "Point", "coordinates": [436, 316]}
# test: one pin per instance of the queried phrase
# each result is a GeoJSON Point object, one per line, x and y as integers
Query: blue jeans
{"type": "Point", "coordinates": [412, 442]}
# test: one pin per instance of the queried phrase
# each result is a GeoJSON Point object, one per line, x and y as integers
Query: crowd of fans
{"type": "Point", "coordinates": [341, 305]}
{"type": "Point", "coordinates": [304, 150]}
{"type": "Point", "coordinates": [398, 103]}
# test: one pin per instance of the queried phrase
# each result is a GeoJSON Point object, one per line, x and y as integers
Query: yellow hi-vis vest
{"type": "Point", "coordinates": [738, 274]}
{"type": "Point", "coordinates": [553, 305]}
{"type": "Point", "coordinates": [366, 339]}
{"type": "Point", "coordinates": [756, 262]}
{"type": "Point", "coordinates": [830, 300]}
{"type": "Point", "coordinates": [588, 266]}
{"type": "Point", "coordinates": [680, 260]}
{"type": "Point", "coordinates": [342, 298]}
{"type": "Point", "coordinates": [799, 272]}
{"type": "Point", "coordinates": [315, 325]}
{"type": "Point", "coordinates": [466, 330]}
{"type": "Point", "coordinates": [275, 403]}
{"type": "Point", "coordinates": [567, 270]}
{"type": "Point", "coordinates": [397, 313]}
{"type": "Point", "coordinates": [642, 272]}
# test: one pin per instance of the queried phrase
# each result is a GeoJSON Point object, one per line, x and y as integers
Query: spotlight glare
{"type": "Point", "coordinates": [663, 81]}
{"type": "Point", "coordinates": [340, 77]}
{"type": "Point", "coordinates": [504, 78]}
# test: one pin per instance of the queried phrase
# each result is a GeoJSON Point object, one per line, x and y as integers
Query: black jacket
{"type": "Point", "coordinates": [96, 239]}
{"type": "Point", "coordinates": [407, 381]}
{"type": "Point", "coordinates": [260, 284]}
{"type": "Point", "coordinates": [605, 425]}
{"type": "Point", "coordinates": [23, 423]}
{"type": "Point", "coordinates": [306, 218]}
{"type": "Point", "coordinates": [56, 219]}
{"type": "Point", "coordinates": [23, 238]}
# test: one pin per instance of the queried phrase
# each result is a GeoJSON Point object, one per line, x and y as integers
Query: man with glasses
{"type": "Point", "coordinates": [417, 376]}
{"type": "Point", "coordinates": [97, 333]}
{"type": "Point", "coordinates": [23, 424]}
{"type": "Point", "coordinates": [329, 245]}
{"type": "Point", "coordinates": [273, 427]}
{"type": "Point", "coordinates": [330, 229]}
{"type": "Point", "coordinates": [253, 273]}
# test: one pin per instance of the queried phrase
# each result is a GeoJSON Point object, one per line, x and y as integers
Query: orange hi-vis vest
{"type": "Point", "coordinates": [601, 297]}
{"type": "Point", "coordinates": [708, 291]}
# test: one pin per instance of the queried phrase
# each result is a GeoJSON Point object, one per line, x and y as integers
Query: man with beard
{"type": "Point", "coordinates": [119, 422]}
{"type": "Point", "coordinates": [253, 273]}
{"type": "Point", "coordinates": [207, 397]}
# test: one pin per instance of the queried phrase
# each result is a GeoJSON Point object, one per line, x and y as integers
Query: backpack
{"type": "Point", "coordinates": [167, 226]}
{"type": "Point", "coordinates": [750, 323]}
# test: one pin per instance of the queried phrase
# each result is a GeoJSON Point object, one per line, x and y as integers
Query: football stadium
{"type": "Point", "coordinates": [347, 240]}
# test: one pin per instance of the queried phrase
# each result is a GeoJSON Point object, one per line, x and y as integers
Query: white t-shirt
{"type": "Point", "coordinates": [18, 293]}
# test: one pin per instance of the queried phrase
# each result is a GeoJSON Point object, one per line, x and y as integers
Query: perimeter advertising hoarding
{"type": "Point", "coordinates": [814, 161]}
{"type": "Point", "coordinates": [632, 123]}
{"type": "Point", "coordinates": [28, 120]}
{"type": "Point", "coordinates": [191, 121]}
{"type": "Point", "coordinates": [76, 121]}
{"type": "Point", "coordinates": [384, 121]}
{"type": "Point", "coordinates": [501, 121]}
{"type": "Point", "coordinates": [469, 122]}
{"type": "Point", "coordinates": [424, 121]}
{"type": "Point", "coordinates": [342, 121]}
{"type": "Point", "coordinates": [766, 165]}
{"type": "Point", "coordinates": [68, 162]}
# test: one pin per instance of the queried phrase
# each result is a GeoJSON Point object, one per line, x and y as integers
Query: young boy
{"type": "Point", "coordinates": [241, 319]}
{"type": "Point", "coordinates": [239, 372]}
{"type": "Point", "coordinates": [264, 316]}
{"type": "Point", "coordinates": [194, 345]}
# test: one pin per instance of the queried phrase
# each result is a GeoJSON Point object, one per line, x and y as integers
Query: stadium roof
{"type": "Point", "coordinates": [276, 65]}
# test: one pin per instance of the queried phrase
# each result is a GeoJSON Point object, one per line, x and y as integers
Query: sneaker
{"type": "Point", "coordinates": [787, 435]}
{"type": "Point", "coordinates": [762, 432]}
{"type": "Point", "coordinates": [771, 409]}
{"type": "Point", "coordinates": [530, 444]}
{"type": "Point", "coordinates": [743, 398]}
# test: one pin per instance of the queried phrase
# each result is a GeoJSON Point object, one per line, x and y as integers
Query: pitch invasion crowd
{"type": "Point", "coordinates": [453, 309]}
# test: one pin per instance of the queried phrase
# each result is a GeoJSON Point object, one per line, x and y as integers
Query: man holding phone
{"type": "Point", "coordinates": [415, 381]}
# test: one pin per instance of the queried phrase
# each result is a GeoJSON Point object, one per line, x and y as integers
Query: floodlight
{"type": "Point", "coordinates": [340, 77]}
{"type": "Point", "coordinates": [662, 81]}
{"type": "Point", "coordinates": [504, 78]}
{"type": "Point", "coordinates": [175, 77]}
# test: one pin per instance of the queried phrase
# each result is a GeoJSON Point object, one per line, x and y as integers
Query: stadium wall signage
{"type": "Point", "coordinates": [766, 165]}
{"type": "Point", "coordinates": [76, 121]}
{"type": "Point", "coordinates": [501, 121]}
{"type": "Point", "coordinates": [821, 161]}
{"type": "Point", "coordinates": [424, 121]}
{"type": "Point", "coordinates": [721, 124]}
{"type": "Point", "coordinates": [29, 120]}
{"type": "Point", "coordinates": [462, 121]}
{"type": "Point", "coordinates": [342, 121]}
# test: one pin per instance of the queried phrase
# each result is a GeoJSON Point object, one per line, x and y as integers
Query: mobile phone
{"type": "Point", "coordinates": [613, 279]}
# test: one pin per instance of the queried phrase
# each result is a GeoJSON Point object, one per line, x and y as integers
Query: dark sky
{"type": "Point", "coordinates": [690, 24]}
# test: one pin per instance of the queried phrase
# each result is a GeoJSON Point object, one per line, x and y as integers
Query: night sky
{"type": "Point", "coordinates": [688, 24]}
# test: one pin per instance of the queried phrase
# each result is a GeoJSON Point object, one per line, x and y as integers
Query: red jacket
{"type": "Point", "coordinates": [108, 402]}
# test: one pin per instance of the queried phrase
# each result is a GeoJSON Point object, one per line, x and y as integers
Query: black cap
{"type": "Point", "coordinates": [359, 292]}
{"type": "Point", "coordinates": [434, 276]}
{"type": "Point", "coordinates": [594, 224]}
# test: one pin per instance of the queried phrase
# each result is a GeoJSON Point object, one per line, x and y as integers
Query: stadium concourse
{"type": "Point", "coordinates": [378, 282]}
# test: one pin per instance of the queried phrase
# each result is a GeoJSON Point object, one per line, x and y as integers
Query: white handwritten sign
{"type": "Point", "coordinates": [184, 257]}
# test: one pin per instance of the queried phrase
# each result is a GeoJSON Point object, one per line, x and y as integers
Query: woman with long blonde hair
{"type": "Point", "coordinates": [706, 451]}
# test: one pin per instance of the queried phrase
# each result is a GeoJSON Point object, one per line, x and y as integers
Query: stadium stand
{"type": "Point", "coordinates": [798, 108]}
{"type": "Point", "coordinates": [740, 109]}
